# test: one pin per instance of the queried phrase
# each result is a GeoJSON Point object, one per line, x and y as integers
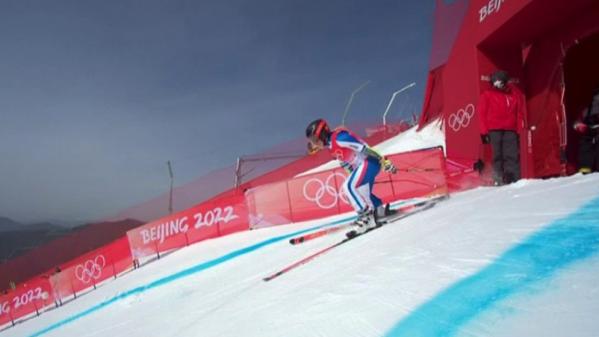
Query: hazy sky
{"type": "Point", "coordinates": [96, 96]}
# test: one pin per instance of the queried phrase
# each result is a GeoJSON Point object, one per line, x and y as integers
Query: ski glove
{"type": "Point", "coordinates": [485, 139]}
{"type": "Point", "coordinates": [388, 166]}
{"type": "Point", "coordinates": [580, 127]}
{"type": "Point", "coordinates": [347, 167]}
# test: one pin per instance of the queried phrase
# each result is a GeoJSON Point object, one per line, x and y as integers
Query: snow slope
{"type": "Point", "coordinates": [518, 260]}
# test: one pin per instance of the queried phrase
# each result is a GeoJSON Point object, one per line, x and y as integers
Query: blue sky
{"type": "Point", "coordinates": [96, 96]}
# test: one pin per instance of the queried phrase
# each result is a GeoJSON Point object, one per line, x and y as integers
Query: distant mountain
{"type": "Point", "coordinates": [17, 238]}
{"type": "Point", "coordinates": [47, 226]}
{"type": "Point", "coordinates": [26, 253]}
{"type": "Point", "coordinates": [7, 224]}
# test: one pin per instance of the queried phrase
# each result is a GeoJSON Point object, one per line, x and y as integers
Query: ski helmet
{"type": "Point", "coordinates": [499, 79]}
{"type": "Point", "coordinates": [318, 130]}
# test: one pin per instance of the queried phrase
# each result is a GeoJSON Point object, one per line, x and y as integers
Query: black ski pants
{"type": "Point", "coordinates": [506, 156]}
{"type": "Point", "coordinates": [588, 154]}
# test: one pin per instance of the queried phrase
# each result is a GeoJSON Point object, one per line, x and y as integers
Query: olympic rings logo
{"type": "Point", "coordinates": [461, 118]}
{"type": "Point", "coordinates": [90, 269]}
{"type": "Point", "coordinates": [324, 189]}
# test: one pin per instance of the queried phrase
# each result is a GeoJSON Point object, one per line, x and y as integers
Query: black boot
{"type": "Point", "coordinates": [382, 213]}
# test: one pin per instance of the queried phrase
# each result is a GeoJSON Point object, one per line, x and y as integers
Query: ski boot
{"type": "Point", "coordinates": [383, 213]}
{"type": "Point", "coordinates": [363, 223]}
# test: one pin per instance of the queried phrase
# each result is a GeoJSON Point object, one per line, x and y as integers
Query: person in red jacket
{"type": "Point", "coordinates": [501, 115]}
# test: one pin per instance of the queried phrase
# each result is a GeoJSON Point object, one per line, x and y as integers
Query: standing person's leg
{"type": "Point", "coordinates": [596, 145]}
{"type": "Point", "coordinates": [586, 154]}
{"type": "Point", "coordinates": [496, 138]}
{"type": "Point", "coordinates": [511, 156]}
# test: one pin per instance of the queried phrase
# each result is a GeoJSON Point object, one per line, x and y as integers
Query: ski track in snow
{"type": "Point", "coordinates": [486, 262]}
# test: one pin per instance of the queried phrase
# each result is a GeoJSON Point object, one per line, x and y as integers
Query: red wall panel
{"type": "Point", "coordinates": [421, 173]}
{"type": "Point", "coordinates": [28, 298]}
{"type": "Point", "coordinates": [92, 268]}
{"type": "Point", "coordinates": [206, 220]}
{"type": "Point", "coordinates": [268, 205]}
{"type": "Point", "coordinates": [317, 195]}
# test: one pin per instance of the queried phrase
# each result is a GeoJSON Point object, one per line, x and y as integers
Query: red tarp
{"type": "Point", "coordinates": [92, 268]}
{"type": "Point", "coordinates": [28, 298]}
{"type": "Point", "coordinates": [210, 219]}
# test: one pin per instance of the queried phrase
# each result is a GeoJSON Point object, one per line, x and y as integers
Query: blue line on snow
{"type": "Point", "coordinates": [182, 274]}
{"type": "Point", "coordinates": [562, 243]}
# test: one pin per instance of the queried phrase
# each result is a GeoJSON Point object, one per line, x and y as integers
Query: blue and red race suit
{"type": "Point", "coordinates": [351, 152]}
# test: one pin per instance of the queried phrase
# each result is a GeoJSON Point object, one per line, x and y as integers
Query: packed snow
{"type": "Point", "coordinates": [441, 258]}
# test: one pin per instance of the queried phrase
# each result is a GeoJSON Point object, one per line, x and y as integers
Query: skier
{"type": "Point", "coordinates": [362, 163]}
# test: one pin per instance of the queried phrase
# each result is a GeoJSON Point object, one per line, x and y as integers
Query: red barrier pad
{"type": "Point", "coordinates": [28, 298]}
{"type": "Point", "coordinates": [218, 217]}
{"type": "Point", "coordinates": [92, 268]}
{"type": "Point", "coordinates": [206, 220]}
{"type": "Point", "coordinates": [5, 312]}
{"type": "Point", "coordinates": [317, 195]}
{"type": "Point", "coordinates": [268, 205]}
{"type": "Point", "coordinates": [420, 173]}
{"type": "Point", "coordinates": [234, 214]}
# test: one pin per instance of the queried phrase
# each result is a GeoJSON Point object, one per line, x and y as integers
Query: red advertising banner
{"type": "Point", "coordinates": [219, 217]}
{"type": "Point", "coordinates": [5, 312]}
{"type": "Point", "coordinates": [92, 268]}
{"type": "Point", "coordinates": [268, 205]}
{"type": "Point", "coordinates": [28, 298]}
{"type": "Point", "coordinates": [317, 195]}
{"type": "Point", "coordinates": [234, 214]}
{"type": "Point", "coordinates": [420, 173]}
{"type": "Point", "coordinates": [210, 219]}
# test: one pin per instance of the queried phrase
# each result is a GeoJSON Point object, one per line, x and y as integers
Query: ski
{"type": "Point", "coordinates": [401, 213]}
{"type": "Point", "coordinates": [305, 260]}
{"type": "Point", "coordinates": [408, 210]}
{"type": "Point", "coordinates": [319, 233]}
{"type": "Point", "coordinates": [422, 206]}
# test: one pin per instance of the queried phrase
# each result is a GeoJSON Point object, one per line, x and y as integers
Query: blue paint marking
{"type": "Point", "coordinates": [184, 273]}
{"type": "Point", "coordinates": [539, 257]}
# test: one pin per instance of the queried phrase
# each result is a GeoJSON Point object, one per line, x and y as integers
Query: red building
{"type": "Point", "coordinates": [549, 47]}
